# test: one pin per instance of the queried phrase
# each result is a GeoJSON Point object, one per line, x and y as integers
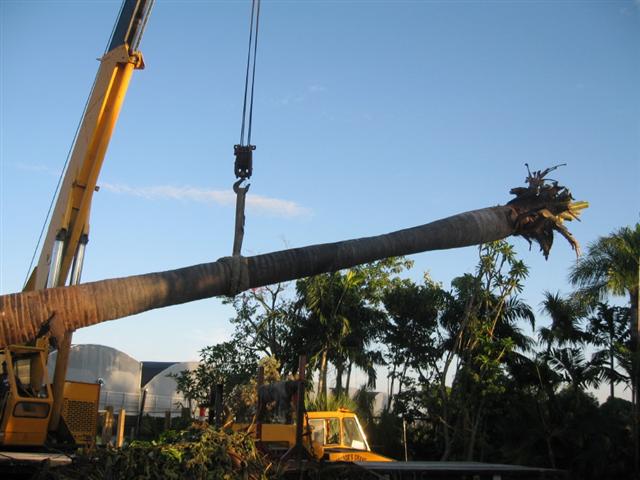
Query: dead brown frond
{"type": "Point", "coordinates": [542, 207]}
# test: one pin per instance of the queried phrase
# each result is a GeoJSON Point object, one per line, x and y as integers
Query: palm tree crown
{"type": "Point", "coordinates": [610, 266]}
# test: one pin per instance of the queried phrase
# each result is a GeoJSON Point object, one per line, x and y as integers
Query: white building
{"type": "Point", "coordinates": [124, 378]}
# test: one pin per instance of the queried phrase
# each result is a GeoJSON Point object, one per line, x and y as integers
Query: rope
{"type": "Point", "coordinates": [238, 267]}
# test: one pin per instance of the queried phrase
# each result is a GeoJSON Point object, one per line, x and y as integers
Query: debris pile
{"type": "Point", "coordinates": [201, 452]}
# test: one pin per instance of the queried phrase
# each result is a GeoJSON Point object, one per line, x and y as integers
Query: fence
{"type": "Point", "coordinates": [155, 405]}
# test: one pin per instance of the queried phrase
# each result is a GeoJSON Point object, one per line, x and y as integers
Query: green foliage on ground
{"type": "Point", "coordinates": [198, 453]}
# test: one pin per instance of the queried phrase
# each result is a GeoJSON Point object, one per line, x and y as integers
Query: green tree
{"type": "Point", "coordinates": [343, 318]}
{"type": "Point", "coordinates": [411, 331]}
{"type": "Point", "coordinates": [468, 335]}
{"type": "Point", "coordinates": [574, 368]}
{"type": "Point", "coordinates": [609, 329]}
{"type": "Point", "coordinates": [481, 322]}
{"type": "Point", "coordinates": [328, 299]}
{"type": "Point", "coordinates": [367, 324]}
{"type": "Point", "coordinates": [228, 363]}
{"type": "Point", "coordinates": [531, 396]}
{"type": "Point", "coordinates": [611, 266]}
{"type": "Point", "coordinates": [566, 315]}
{"type": "Point", "coordinates": [266, 322]}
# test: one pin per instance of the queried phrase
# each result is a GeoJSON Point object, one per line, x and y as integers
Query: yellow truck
{"type": "Point", "coordinates": [335, 444]}
{"type": "Point", "coordinates": [334, 436]}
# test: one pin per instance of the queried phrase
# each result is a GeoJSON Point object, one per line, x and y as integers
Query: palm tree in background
{"type": "Point", "coordinates": [326, 298]}
{"type": "Point", "coordinates": [566, 315]}
{"type": "Point", "coordinates": [574, 368]}
{"type": "Point", "coordinates": [612, 267]}
{"type": "Point", "coordinates": [609, 329]}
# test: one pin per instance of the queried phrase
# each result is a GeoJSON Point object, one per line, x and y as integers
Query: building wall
{"type": "Point", "coordinates": [121, 375]}
{"type": "Point", "coordinates": [161, 390]}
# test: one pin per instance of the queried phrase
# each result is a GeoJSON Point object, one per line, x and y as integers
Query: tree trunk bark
{"type": "Point", "coordinates": [322, 380]}
{"type": "Point", "coordinates": [390, 396]}
{"type": "Point", "coordinates": [635, 373]}
{"type": "Point", "coordinates": [611, 366]}
{"type": "Point", "coordinates": [27, 315]}
{"type": "Point", "coordinates": [338, 387]}
{"type": "Point", "coordinates": [403, 377]}
{"type": "Point", "coordinates": [475, 427]}
{"type": "Point", "coordinates": [348, 382]}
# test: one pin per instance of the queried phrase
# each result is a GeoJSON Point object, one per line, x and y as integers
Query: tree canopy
{"type": "Point", "coordinates": [476, 372]}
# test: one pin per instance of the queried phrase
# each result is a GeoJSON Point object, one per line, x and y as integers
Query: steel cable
{"type": "Point", "coordinates": [251, 67]}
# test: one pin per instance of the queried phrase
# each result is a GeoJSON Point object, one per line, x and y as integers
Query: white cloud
{"type": "Point", "coordinates": [316, 88]}
{"type": "Point", "coordinates": [29, 167]}
{"type": "Point", "coordinates": [255, 203]}
{"type": "Point", "coordinates": [310, 91]}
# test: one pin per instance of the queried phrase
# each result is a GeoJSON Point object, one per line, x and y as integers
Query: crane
{"type": "Point", "coordinates": [31, 406]}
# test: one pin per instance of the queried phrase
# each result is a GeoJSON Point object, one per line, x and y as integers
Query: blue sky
{"type": "Point", "coordinates": [369, 117]}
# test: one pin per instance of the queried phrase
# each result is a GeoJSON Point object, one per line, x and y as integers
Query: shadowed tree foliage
{"type": "Point", "coordinates": [506, 402]}
{"type": "Point", "coordinates": [229, 363]}
{"type": "Point", "coordinates": [266, 321]}
{"type": "Point", "coordinates": [412, 308]}
{"type": "Point", "coordinates": [609, 330]}
{"type": "Point", "coordinates": [482, 339]}
{"type": "Point", "coordinates": [341, 318]}
{"type": "Point", "coordinates": [330, 302]}
{"type": "Point", "coordinates": [611, 266]}
{"type": "Point", "coordinates": [458, 347]}
{"type": "Point", "coordinates": [566, 315]}
{"type": "Point", "coordinates": [574, 368]}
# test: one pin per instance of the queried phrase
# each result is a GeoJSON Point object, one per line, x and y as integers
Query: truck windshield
{"type": "Point", "coordinates": [326, 431]}
{"type": "Point", "coordinates": [353, 436]}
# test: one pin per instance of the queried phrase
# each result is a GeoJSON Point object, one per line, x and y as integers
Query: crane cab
{"type": "Point", "coordinates": [25, 405]}
{"type": "Point", "coordinates": [26, 401]}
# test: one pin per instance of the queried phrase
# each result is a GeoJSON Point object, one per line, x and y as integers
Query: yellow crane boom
{"type": "Point", "coordinates": [62, 252]}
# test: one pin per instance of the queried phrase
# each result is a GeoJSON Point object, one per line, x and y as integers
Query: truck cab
{"type": "Point", "coordinates": [341, 437]}
{"type": "Point", "coordinates": [334, 436]}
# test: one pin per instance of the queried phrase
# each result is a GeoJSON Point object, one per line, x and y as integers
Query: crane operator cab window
{"type": "Point", "coordinates": [22, 369]}
{"type": "Point", "coordinates": [17, 367]}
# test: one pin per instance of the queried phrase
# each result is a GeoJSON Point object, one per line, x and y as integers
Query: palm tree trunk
{"type": "Point", "coordinates": [611, 357]}
{"type": "Point", "coordinates": [612, 383]}
{"type": "Point", "coordinates": [634, 296]}
{"type": "Point", "coordinates": [27, 315]}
